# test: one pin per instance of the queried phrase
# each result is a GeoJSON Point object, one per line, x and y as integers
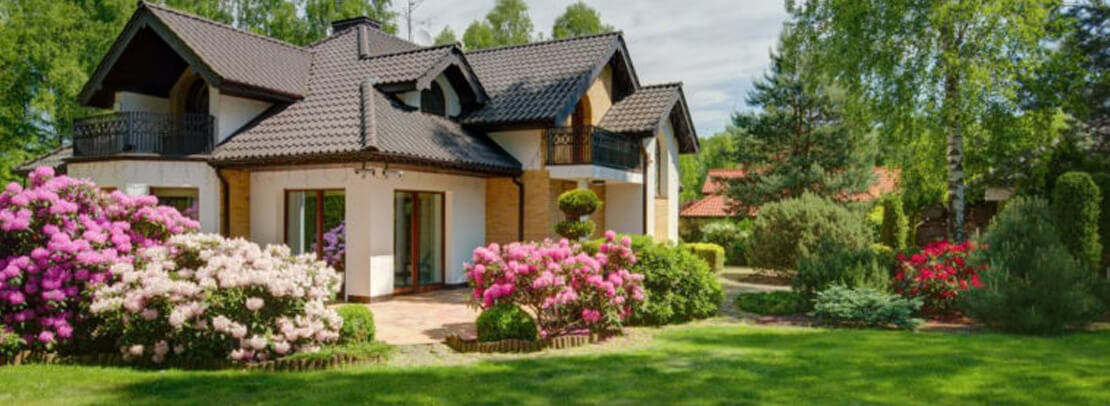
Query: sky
{"type": "Point", "coordinates": [715, 47]}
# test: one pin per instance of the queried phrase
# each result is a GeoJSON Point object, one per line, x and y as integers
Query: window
{"type": "Point", "coordinates": [432, 100]}
{"type": "Point", "coordinates": [315, 222]}
{"type": "Point", "coordinates": [183, 199]}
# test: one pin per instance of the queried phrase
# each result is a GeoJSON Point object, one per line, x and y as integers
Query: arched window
{"type": "Point", "coordinates": [432, 100]}
{"type": "Point", "coordinates": [196, 99]}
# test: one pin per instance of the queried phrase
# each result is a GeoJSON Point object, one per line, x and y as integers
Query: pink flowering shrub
{"type": "Point", "coordinates": [937, 275]}
{"type": "Point", "coordinates": [204, 296]}
{"type": "Point", "coordinates": [58, 237]}
{"type": "Point", "coordinates": [566, 289]}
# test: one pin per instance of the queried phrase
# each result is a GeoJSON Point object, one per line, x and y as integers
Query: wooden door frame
{"type": "Point", "coordinates": [414, 246]}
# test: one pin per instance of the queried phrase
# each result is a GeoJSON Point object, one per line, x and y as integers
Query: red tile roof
{"type": "Point", "coordinates": [716, 205]}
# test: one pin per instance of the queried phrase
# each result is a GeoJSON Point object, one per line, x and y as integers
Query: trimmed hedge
{"type": "Point", "coordinates": [579, 202]}
{"type": "Point", "coordinates": [574, 229]}
{"type": "Point", "coordinates": [504, 322]}
{"type": "Point", "coordinates": [790, 231]}
{"type": "Point", "coordinates": [1102, 179]}
{"type": "Point", "coordinates": [713, 254]}
{"type": "Point", "coordinates": [358, 324]}
{"type": "Point", "coordinates": [1076, 200]}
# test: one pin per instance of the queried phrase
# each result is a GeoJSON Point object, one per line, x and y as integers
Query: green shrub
{"type": "Point", "coordinates": [838, 265]}
{"type": "Point", "coordinates": [733, 236]}
{"type": "Point", "coordinates": [359, 351]}
{"type": "Point", "coordinates": [770, 303]}
{"type": "Point", "coordinates": [505, 321]}
{"type": "Point", "coordinates": [711, 253]}
{"type": "Point", "coordinates": [10, 343]}
{"type": "Point", "coordinates": [358, 324]}
{"type": "Point", "coordinates": [578, 202]}
{"type": "Point", "coordinates": [884, 253]}
{"type": "Point", "coordinates": [1032, 283]}
{"type": "Point", "coordinates": [789, 231]}
{"type": "Point", "coordinates": [679, 286]}
{"type": "Point", "coordinates": [864, 307]}
{"type": "Point", "coordinates": [895, 227]}
{"type": "Point", "coordinates": [1076, 202]}
{"type": "Point", "coordinates": [1102, 179]}
{"type": "Point", "coordinates": [574, 229]}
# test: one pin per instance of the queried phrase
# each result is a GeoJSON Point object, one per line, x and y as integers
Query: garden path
{"type": "Point", "coordinates": [424, 318]}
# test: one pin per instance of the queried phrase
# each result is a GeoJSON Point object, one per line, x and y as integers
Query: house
{"type": "Point", "coordinates": [390, 160]}
{"type": "Point", "coordinates": [715, 204]}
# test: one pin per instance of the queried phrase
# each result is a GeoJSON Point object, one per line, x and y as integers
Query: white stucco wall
{"type": "Point", "coordinates": [137, 177]}
{"type": "Point", "coordinates": [129, 101]}
{"type": "Point", "coordinates": [671, 183]}
{"type": "Point", "coordinates": [525, 145]}
{"type": "Point", "coordinates": [232, 113]}
{"type": "Point", "coordinates": [454, 106]}
{"type": "Point", "coordinates": [369, 216]}
{"type": "Point", "coordinates": [624, 207]}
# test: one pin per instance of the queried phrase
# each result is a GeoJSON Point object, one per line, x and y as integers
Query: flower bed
{"type": "Point", "coordinates": [279, 365]}
{"type": "Point", "coordinates": [567, 290]}
{"type": "Point", "coordinates": [937, 275]}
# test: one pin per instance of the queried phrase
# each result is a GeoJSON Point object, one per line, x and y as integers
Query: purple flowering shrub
{"type": "Point", "coordinates": [567, 290]}
{"type": "Point", "coordinates": [335, 246]}
{"type": "Point", "coordinates": [58, 238]}
{"type": "Point", "coordinates": [202, 296]}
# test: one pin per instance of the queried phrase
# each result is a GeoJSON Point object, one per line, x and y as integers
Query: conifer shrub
{"type": "Point", "coordinates": [1076, 200]}
{"type": "Point", "coordinates": [790, 231]}
{"type": "Point", "coordinates": [895, 227]}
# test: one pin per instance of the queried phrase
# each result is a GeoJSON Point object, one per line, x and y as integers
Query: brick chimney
{"type": "Point", "coordinates": [340, 25]}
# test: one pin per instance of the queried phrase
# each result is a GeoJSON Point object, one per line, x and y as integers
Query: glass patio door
{"type": "Point", "coordinates": [417, 241]}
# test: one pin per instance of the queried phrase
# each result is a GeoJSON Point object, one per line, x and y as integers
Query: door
{"type": "Point", "coordinates": [418, 241]}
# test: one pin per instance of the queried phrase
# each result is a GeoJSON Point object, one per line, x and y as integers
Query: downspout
{"type": "Point", "coordinates": [519, 208]}
{"type": "Point", "coordinates": [644, 189]}
{"type": "Point", "coordinates": [225, 202]}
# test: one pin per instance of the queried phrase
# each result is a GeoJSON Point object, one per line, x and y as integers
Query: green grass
{"type": "Point", "coordinates": [687, 366]}
{"type": "Point", "coordinates": [780, 302]}
{"type": "Point", "coordinates": [359, 351]}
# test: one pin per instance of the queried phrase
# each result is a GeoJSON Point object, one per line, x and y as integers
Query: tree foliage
{"type": "Point", "coordinates": [717, 151]}
{"type": "Point", "coordinates": [446, 36]}
{"type": "Point", "coordinates": [507, 23]}
{"type": "Point", "coordinates": [579, 19]}
{"type": "Point", "coordinates": [940, 75]}
{"type": "Point", "coordinates": [806, 137]}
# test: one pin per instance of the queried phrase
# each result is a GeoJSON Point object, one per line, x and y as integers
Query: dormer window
{"type": "Point", "coordinates": [432, 100]}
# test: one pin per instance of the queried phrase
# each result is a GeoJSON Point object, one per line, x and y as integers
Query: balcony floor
{"type": "Point", "coordinates": [576, 172]}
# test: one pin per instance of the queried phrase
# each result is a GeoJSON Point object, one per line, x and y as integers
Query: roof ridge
{"type": "Point", "coordinates": [548, 42]}
{"type": "Point", "coordinates": [661, 85]}
{"type": "Point", "coordinates": [413, 51]}
{"type": "Point", "coordinates": [221, 25]}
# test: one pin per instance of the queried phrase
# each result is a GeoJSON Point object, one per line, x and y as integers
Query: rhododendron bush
{"type": "Point", "coordinates": [567, 290]}
{"type": "Point", "coordinates": [58, 238]}
{"type": "Point", "coordinates": [203, 296]}
{"type": "Point", "coordinates": [937, 275]}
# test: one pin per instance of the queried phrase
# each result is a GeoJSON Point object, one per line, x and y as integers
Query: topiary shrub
{"type": "Point", "coordinates": [504, 322]}
{"type": "Point", "coordinates": [678, 285]}
{"type": "Point", "coordinates": [770, 303]}
{"type": "Point", "coordinates": [1031, 282]}
{"type": "Point", "coordinates": [579, 202]}
{"type": "Point", "coordinates": [574, 229]}
{"type": "Point", "coordinates": [895, 227]}
{"type": "Point", "coordinates": [1102, 179]}
{"type": "Point", "coordinates": [837, 265]}
{"type": "Point", "coordinates": [358, 324]}
{"type": "Point", "coordinates": [789, 231]}
{"type": "Point", "coordinates": [733, 236]}
{"type": "Point", "coordinates": [575, 204]}
{"type": "Point", "coordinates": [712, 254]}
{"type": "Point", "coordinates": [865, 307]}
{"type": "Point", "coordinates": [1076, 200]}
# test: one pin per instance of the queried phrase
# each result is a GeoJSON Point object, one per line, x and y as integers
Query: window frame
{"type": "Point", "coordinates": [429, 94]}
{"type": "Point", "coordinates": [319, 214]}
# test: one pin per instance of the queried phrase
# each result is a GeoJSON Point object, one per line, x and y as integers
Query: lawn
{"type": "Point", "coordinates": [693, 366]}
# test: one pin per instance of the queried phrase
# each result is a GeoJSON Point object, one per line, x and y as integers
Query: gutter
{"type": "Point", "coordinates": [519, 208]}
{"type": "Point", "coordinates": [225, 202]}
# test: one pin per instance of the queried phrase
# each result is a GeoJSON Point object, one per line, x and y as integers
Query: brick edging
{"type": "Point", "coordinates": [518, 346]}
{"type": "Point", "coordinates": [111, 359]}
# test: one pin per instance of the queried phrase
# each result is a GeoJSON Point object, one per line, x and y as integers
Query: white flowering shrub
{"type": "Point", "coordinates": [204, 296]}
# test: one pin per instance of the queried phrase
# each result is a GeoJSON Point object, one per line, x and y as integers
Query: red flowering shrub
{"type": "Point", "coordinates": [937, 275]}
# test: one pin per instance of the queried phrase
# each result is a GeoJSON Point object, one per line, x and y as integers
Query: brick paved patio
{"type": "Point", "coordinates": [424, 318]}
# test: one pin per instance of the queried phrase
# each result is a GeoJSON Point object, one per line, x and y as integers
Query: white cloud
{"type": "Point", "coordinates": [715, 47]}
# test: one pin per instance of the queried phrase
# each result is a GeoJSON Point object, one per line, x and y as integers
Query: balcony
{"type": "Point", "coordinates": [591, 145]}
{"type": "Point", "coordinates": [142, 133]}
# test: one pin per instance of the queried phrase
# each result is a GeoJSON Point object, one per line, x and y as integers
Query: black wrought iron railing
{"type": "Point", "coordinates": [589, 145]}
{"type": "Point", "coordinates": [142, 132]}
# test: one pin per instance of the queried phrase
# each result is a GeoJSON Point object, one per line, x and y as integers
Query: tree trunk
{"type": "Point", "coordinates": [956, 187]}
{"type": "Point", "coordinates": [951, 41]}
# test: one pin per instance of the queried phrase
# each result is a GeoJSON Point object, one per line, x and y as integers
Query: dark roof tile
{"type": "Point", "coordinates": [643, 110]}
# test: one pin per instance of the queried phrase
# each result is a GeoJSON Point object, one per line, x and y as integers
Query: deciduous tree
{"type": "Point", "coordinates": [579, 19]}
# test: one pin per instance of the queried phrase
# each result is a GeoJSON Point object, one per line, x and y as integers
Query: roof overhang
{"type": "Point", "coordinates": [150, 40]}
{"type": "Point", "coordinates": [623, 72]}
{"type": "Point", "coordinates": [455, 67]}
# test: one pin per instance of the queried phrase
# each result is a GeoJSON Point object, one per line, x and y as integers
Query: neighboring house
{"type": "Point", "coordinates": [412, 156]}
{"type": "Point", "coordinates": [715, 204]}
